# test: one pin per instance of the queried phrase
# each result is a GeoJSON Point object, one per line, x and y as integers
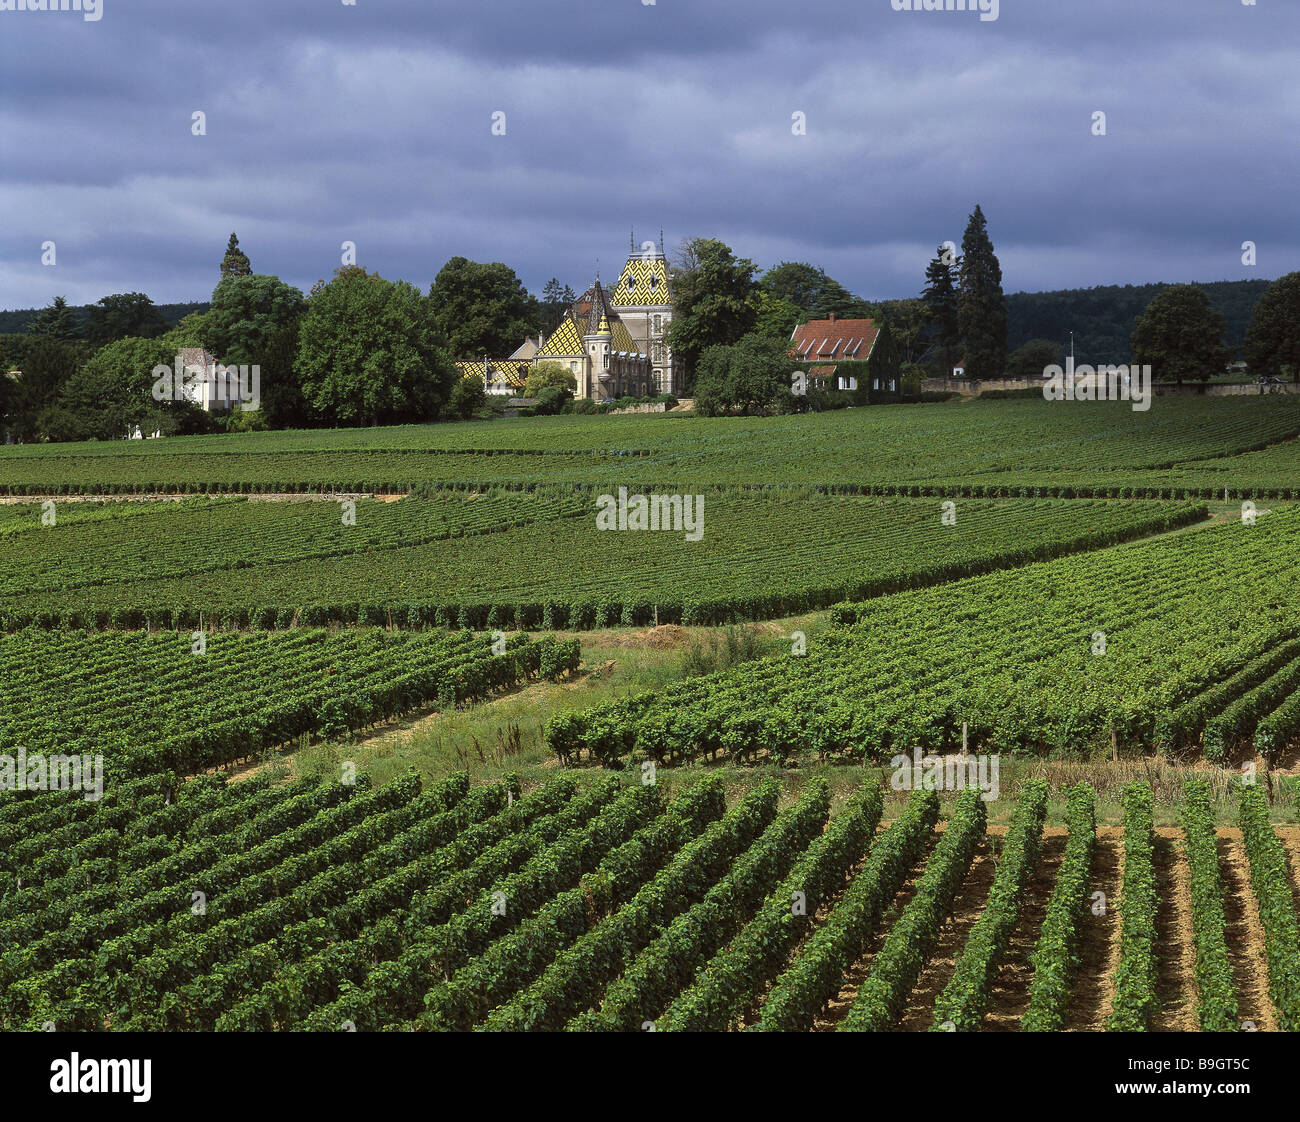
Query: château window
{"type": "Point", "coordinates": [607, 359]}
{"type": "Point", "coordinates": [658, 324]}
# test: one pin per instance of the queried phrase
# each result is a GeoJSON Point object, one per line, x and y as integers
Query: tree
{"type": "Point", "coordinates": [236, 262]}
{"type": "Point", "coordinates": [254, 321]}
{"type": "Point", "coordinates": [810, 290]}
{"type": "Point", "coordinates": [1181, 336]}
{"type": "Point", "coordinates": [111, 393]}
{"type": "Point", "coordinates": [467, 397]}
{"type": "Point", "coordinates": [47, 366]}
{"type": "Point", "coordinates": [981, 309]}
{"type": "Point", "coordinates": [1273, 337]}
{"type": "Point", "coordinates": [552, 399]}
{"type": "Point", "coordinates": [777, 317]}
{"type": "Point", "coordinates": [370, 352]}
{"type": "Point", "coordinates": [939, 300]}
{"type": "Point", "coordinates": [58, 321]}
{"type": "Point", "coordinates": [749, 376]}
{"type": "Point", "coordinates": [556, 300]}
{"type": "Point", "coordinates": [127, 315]}
{"type": "Point", "coordinates": [483, 309]}
{"type": "Point", "coordinates": [190, 332]}
{"type": "Point", "coordinates": [713, 303]}
{"type": "Point", "coordinates": [908, 320]}
{"type": "Point", "coordinates": [1030, 360]}
{"type": "Point", "coordinates": [546, 374]}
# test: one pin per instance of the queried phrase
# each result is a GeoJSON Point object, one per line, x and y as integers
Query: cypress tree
{"type": "Point", "coordinates": [940, 300]}
{"type": "Point", "coordinates": [981, 310]}
{"type": "Point", "coordinates": [235, 263]}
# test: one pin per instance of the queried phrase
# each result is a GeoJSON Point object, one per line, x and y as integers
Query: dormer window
{"type": "Point", "coordinates": [654, 283]}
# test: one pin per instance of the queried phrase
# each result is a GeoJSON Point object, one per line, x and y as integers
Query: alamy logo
{"type": "Point", "coordinates": [53, 773]}
{"type": "Point", "coordinates": [678, 513]}
{"type": "Point", "coordinates": [946, 773]}
{"type": "Point", "coordinates": [206, 384]}
{"type": "Point", "coordinates": [1105, 383]}
{"type": "Point", "coordinates": [92, 11]}
{"type": "Point", "coordinates": [988, 9]}
{"type": "Point", "coordinates": [102, 1077]}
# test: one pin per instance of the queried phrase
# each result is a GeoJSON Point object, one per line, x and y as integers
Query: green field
{"type": "Point", "coordinates": [318, 905]}
{"type": "Point", "coordinates": [507, 559]}
{"type": "Point", "coordinates": [675, 828]}
{"type": "Point", "coordinates": [1195, 444]}
{"type": "Point", "coordinates": [1067, 656]}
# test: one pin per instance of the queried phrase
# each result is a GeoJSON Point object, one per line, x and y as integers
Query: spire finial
{"type": "Point", "coordinates": [631, 239]}
{"type": "Point", "coordinates": [598, 270]}
{"type": "Point", "coordinates": [661, 241]}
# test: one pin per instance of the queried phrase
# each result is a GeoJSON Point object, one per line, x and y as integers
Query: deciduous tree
{"type": "Point", "coordinates": [1181, 336]}
{"type": "Point", "coordinates": [370, 352]}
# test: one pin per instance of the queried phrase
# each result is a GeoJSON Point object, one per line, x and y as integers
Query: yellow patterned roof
{"type": "Point", "coordinates": [565, 340]}
{"type": "Point", "coordinates": [515, 371]}
{"type": "Point", "coordinates": [623, 340]}
{"type": "Point", "coordinates": [649, 277]}
{"type": "Point", "coordinates": [590, 314]}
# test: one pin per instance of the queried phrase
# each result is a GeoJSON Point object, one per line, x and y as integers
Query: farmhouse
{"type": "Point", "coordinates": [829, 342]}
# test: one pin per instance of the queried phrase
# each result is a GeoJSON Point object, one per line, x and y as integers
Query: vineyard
{"type": "Point", "coordinates": [1185, 447]}
{"type": "Point", "coordinates": [506, 559]}
{"type": "Point", "coordinates": [586, 904]}
{"type": "Point", "coordinates": [249, 630]}
{"type": "Point", "coordinates": [1184, 644]}
{"type": "Point", "coordinates": [168, 700]}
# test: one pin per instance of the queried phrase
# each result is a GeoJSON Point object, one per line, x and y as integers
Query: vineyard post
{"type": "Point", "coordinates": [1114, 745]}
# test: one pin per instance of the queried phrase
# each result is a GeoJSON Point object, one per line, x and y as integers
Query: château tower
{"type": "Point", "coordinates": [641, 298]}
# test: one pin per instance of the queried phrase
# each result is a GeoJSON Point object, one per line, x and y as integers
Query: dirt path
{"type": "Point", "coordinates": [1175, 936]}
{"type": "Point", "coordinates": [838, 1006]}
{"type": "Point", "coordinates": [1244, 934]}
{"type": "Point", "coordinates": [1009, 997]}
{"type": "Point", "coordinates": [1092, 991]}
{"type": "Point", "coordinates": [967, 907]}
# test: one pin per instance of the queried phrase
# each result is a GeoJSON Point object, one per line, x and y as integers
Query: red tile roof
{"type": "Point", "coordinates": [834, 339]}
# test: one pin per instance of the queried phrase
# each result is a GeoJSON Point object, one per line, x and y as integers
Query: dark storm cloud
{"type": "Point", "coordinates": [371, 123]}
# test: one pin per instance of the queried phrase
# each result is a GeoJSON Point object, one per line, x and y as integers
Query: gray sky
{"type": "Point", "coordinates": [372, 123]}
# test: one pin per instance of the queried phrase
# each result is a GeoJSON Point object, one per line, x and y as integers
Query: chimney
{"type": "Point", "coordinates": [832, 317]}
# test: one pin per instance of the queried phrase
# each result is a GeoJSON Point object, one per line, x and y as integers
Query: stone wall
{"type": "Point", "coordinates": [968, 388]}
